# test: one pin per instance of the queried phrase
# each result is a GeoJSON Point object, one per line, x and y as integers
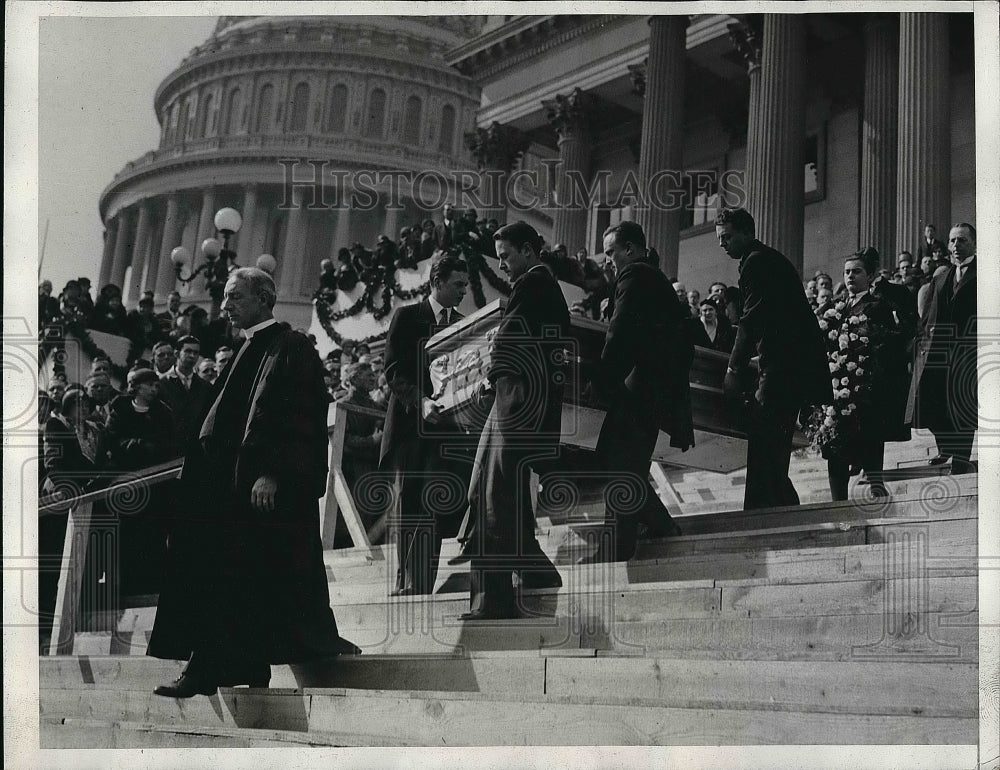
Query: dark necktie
{"type": "Point", "coordinates": [443, 317]}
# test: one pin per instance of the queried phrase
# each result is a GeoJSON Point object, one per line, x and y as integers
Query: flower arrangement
{"type": "Point", "coordinates": [834, 428]}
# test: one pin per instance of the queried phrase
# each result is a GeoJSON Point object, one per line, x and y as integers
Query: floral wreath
{"type": "Point", "coordinates": [833, 429]}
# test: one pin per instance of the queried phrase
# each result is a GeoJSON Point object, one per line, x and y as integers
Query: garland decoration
{"type": "Point", "coordinates": [52, 337]}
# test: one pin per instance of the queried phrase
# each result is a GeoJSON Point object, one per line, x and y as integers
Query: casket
{"type": "Point", "coordinates": [459, 359]}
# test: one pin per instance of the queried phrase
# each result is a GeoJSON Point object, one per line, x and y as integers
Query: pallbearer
{"type": "Point", "coordinates": [526, 375]}
{"type": "Point", "coordinates": [644, 371]}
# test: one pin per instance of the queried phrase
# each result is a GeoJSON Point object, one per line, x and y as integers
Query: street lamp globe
{"type": "Point", "coordinates": [228, 221]}
{"type": "Point", "coordinates": [267, 263]}
{"type": "Point", "coordinates": [180, 256]}
{"type": "Point", "coordinates": [211, 247]}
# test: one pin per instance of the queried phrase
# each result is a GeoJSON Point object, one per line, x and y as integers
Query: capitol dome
{"type": "Point", "coordinates": [265, 97]}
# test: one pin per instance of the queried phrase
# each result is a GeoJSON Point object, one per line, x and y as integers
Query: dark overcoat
{"type": "Point", "coordinates": [239, 583]}
{"type": "Point", "coordinates": [943, 391]}
{"type": "Point", "coordinates": [778, 324]}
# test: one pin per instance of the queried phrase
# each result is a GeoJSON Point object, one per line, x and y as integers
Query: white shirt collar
{"type": "Point", "coordinates": [857, 297]}
{"type": "Point", "coordinates": [249, 332]}
{"type": "Point", "coordinates": [965, 262]}
{"type": "Point", "coordinates": [437, 307]}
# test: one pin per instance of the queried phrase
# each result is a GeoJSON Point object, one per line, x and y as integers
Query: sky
{"type": "Point", "coordinates": [96, 81]}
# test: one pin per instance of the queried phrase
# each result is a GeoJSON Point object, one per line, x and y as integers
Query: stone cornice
{"type": "Point", "coordinates": [345, 153]}
{"type": "Point", "coordinates": [518, 45]}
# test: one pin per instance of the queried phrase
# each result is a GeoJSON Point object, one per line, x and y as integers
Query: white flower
{"type": "Point", "coordinates": [831, 313]}
{"type": "Point", "coordinates": [831, 411]}
{"type": "Point", "coordinates": [843, 344]}
{"type": "Point", "coordinates": [832, 335]}
{"type": "Point", "coordinates": [840, 306]}
{"type": "Point", "coordinates": [845, 412]}
{"type": "Point", "coordinates": [857, 388]}
{"type": "Point", "coordinates": [854, 337]}
{"type": "Point", "coordinates": [851, 366]}
{"type": "Point", "coordinates": [845, 381]}
{"type": "Point", "coordinates": [853, 320]}
{"type": "Point", "coordinates": [864, 340]}
{"type": "Point", "coordinates": [861, 359]}
{"type": "Point", "coordinates": [860, 372]}
{"type": "Point", "coordinates": [823, 325]}
{"type": "Point", "coordinates": [828, 422]}
{"type": "Point", "coordinates": [852, 407]}
{"type": "Point", "coordinates": [833, 368]}
{"type": "Point", "coordinates": [862, 318]}
{"type": "Point", "coordinates": [845, 393]}
{"type": "Point", "coordinates": [835, 383]}
{"type": "Point", "coordinates": [843, 338]}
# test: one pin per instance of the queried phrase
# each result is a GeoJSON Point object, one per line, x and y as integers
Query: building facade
{"type": "Point", "coordinates": [835, 130]}
{"type": "Point", "coordinates": [268, 97]}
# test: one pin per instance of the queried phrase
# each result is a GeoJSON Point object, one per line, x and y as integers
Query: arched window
{"type": "Point", "coordinates": [206, 112]}
{"type": "Point", "coordinates": [411, 120]}
{"type": "Point", "coordinates": [299, 108]}
{"type": "Point", "coordinates": [376, 114]}
{"type": "Point", "coordinates": [446, 141]}
{"type": "Point", "coordinates": [182, 122]}
{"type": "Point", "coordinates": [336, 110]}
{"type": "Point", "coordinates": [264, 119]}
{"type": "Point", "coordinates": [233, 111]}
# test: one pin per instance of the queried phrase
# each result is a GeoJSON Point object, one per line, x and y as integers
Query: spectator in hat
{"type": "Point", "coordinates": [163, 357]}
{"type": "Point", "coordinates": [141, 427]}
{"type": "Point", "coordinates": [206, 370]}
{"type": "Point", "coordinates": [710, 330]}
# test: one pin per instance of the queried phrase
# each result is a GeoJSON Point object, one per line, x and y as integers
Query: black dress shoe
{"type": "Point", "coordinates": [186, 686]}
{"type": "Point", "coordinates": [939, 460]}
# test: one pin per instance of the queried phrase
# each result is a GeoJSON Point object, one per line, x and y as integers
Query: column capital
{"type": "Point", "coordinates": [498, 146]}
{"type": "Point", "coordinates": [637, 74]}
{"type": "Point", "coordinates": [568, 113]}
{"type": "Point", "coordinates": [747, 36]}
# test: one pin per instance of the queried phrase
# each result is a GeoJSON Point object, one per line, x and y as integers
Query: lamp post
{"type": "Point", "coordinates": [220, 260]}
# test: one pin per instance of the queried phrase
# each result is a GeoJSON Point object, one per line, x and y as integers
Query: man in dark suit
{"type": "Point", "coordinates": [245, 584]}
{"type": "Point", "coordinates": [929, 242]}
{"type": "Point", "coordinates": [943, 393]}
{"type": "Point", "coordinates": [523, 428]}
{"type": "Point", "coordinates": [644, 371]}
{"type": "Point", "coordinates": [778, 325]}
{"type": "Point", "coordinates": [183, 390]}
{"type": "Point", "coordinates": [414, 441]}
{"type": "Point", "coordinates": [170, 318]}
{"type": "Point", "coordinates": [898, 354]}
{"type": "Point", "coordinates": [444, 233]}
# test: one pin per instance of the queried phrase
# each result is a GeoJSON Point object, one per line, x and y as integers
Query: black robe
{"type": "Point", "coordinates": [242, 585]}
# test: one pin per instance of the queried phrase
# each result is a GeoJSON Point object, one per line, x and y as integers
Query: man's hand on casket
{"type": "Point", "coordinates": [732, 385]}
{"type": "Point", "coordinates": [431, 411]}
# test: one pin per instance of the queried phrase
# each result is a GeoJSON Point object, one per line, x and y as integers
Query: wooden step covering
{"type": "Point", "coordinates": [451, 718]}
{"type": "Point", "coordinates": [883, 687]}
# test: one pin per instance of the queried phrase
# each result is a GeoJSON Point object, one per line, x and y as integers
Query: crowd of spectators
{"type": "Point", "coordinates": [75, 309]}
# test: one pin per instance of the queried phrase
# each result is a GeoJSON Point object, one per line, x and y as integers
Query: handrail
{"type": "Point", "coordinates": [155, 474]}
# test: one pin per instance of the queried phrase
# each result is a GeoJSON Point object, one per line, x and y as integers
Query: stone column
{"type": "Point", "coordinates": [878, 136]}
{"type": "Point", "coordinates": [342, 228]}
{"type": "Point", "coordinates": [923, 171]}
{"type": "Point", "coordinates": [746, 35]}
{"type": "Point", "coordinates": [291, 262]}
{"type": "Point", "coordinates": [206, 221]}
{"type": "Point", "coordinates": [568, 116]}
{"type": "Point", "coordinates": [390, 226]}
{"type": "Point", "coordinates": [123, 246]}
{"type": "Point", "coordinates": [497, 149]}
{"type": "Point", "coordinates": [165, 277]}
{"type": "Point", "coordinates": [248, 247]}
{"type": "Point", "coordinates": [777, 199]}
{"type": "Point", "coordinates": [107, 258]}
{"type": "Point", "coordinates": [140, 249]}
{"type": "Point", "coordinates": [661, 148]}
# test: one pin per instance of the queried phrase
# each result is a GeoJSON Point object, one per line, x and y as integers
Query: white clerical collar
{"type": "Point", "coordinates": [252, 330]}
